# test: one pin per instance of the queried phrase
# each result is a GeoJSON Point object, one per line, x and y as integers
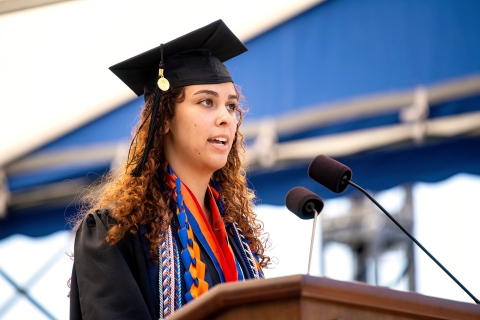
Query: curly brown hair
{"type": "Point", "coordinates": [145, 200]}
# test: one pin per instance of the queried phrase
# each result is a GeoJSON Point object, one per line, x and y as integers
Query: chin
{"type": "Point", "coordinates": [217, 164]}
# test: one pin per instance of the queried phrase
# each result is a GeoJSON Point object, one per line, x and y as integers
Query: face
{"type": "Point", "coordinates": [200, 135]}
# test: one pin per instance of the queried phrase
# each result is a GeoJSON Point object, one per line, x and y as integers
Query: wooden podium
{"type": "Point", "coordinates": [307, 297]}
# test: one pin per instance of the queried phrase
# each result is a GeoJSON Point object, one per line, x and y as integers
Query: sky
{"type": "Point", "coordinates": [446, 223]}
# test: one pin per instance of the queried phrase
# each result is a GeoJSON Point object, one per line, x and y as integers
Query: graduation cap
{"type": "Point", "coordinates": [194, 58]}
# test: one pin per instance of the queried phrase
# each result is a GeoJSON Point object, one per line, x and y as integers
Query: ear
{"type": "Point", "coordinates": [167, 127]}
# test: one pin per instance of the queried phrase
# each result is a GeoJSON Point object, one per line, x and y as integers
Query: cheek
{"type": "Point", "coordinates": [233, 125]}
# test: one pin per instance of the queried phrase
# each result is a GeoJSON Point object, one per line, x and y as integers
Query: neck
{"type": "Point", "coordinates": [196, 181]}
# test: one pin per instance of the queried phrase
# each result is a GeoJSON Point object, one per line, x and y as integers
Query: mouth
{"type": "Point", "coordinates": [218, 141]}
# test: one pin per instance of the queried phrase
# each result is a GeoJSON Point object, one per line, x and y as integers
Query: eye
{"type": "Point", "coordinates": [232, 107]}
{"type": "Point", "coordinates": [207, 102]}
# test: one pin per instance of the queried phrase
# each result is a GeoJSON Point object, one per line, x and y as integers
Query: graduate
{"type": "Point", "coordinates": [176, 219]}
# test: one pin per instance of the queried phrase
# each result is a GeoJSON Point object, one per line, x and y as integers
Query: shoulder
{"type": "Point", "coordinates": [96, 222]}
{"type": "Point", "coordinates": [102, 216]}
{"type": "Point", "coordinates": [92, 231]}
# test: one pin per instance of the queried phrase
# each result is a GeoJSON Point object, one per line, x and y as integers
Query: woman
{"type": "Point", "coordinates": [176, 219]}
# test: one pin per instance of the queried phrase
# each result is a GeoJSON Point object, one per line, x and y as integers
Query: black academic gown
{"type": "Point", "coordinates": [109, 282]}
{"type": "Point", "coordinates": [120, 281]}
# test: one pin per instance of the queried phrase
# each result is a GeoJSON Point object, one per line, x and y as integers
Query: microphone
{"type": "Point", "coordinates": [306, 205]}
{"type": "Point", "coordinates": [302, 203]}
{"type": "Point", "coordinates": [337, 176]}
{"type": "Point", "coordinates": [330, 173]}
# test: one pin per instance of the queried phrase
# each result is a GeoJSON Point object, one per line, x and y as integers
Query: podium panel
{"type": "Point", "coordinates": [306, 297]}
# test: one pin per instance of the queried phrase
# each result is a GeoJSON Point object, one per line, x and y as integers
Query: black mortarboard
{"type": "Point", "coordinates": [194, 58]}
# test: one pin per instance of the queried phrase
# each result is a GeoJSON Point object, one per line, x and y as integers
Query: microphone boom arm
{"type": "Point", "coordinates": [311, 207]}
{"type": "Point", "coordinates": [411, 237]}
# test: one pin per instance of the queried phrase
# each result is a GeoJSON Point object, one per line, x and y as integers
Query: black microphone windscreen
{"type": "Point", "coordinates": [297, 200]}
{"type": "Point", "coordinates": [330, 173]}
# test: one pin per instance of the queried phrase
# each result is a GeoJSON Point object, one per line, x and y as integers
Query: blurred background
{"type": "Point", "coordinates": [390, 88]}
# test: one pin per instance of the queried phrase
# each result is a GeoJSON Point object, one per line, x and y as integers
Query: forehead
{"type": "Point", "coordinates": [221, 89]}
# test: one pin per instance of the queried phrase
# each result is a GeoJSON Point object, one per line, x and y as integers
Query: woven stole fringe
{"type": "Point", "coordinates": [254, 269]}
{"type": "Point", "coordinates": [169, 276]}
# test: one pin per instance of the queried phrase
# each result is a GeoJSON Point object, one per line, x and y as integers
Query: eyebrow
{"type": "Point", "coordinates": [215, 94]}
